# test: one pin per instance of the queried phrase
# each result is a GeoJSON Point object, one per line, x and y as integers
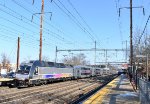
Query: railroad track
{"type": "Point", "coordinates": [27, 90]}
{"type": "Point", "coordinates": [65, 91]}
{"type": "Point", "coordinates": [56, 93]}
{"type": "Point", "coordinates": [105, 79]}
{"type": "Point", "coordinates": [30, 92]}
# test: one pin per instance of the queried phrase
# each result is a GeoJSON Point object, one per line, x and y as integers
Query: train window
{"type": "Point", "coordinates": [85, 71]}
{"type": "Point", "coordinates": [51, 64]}
{"type": "Point", "coordinates": [36, 71]}
{"type": "Point", "coordinates": [32, 61]}
{"type": "Point", "coordinates": [46, 64]}
{"type": "Point", "coordinates": [25, 69]}
{"type": "Point", "coordinates": [61, 65]}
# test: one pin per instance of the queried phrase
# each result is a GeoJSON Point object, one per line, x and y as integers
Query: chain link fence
{"type": "Point", "coordinates": [144, 91]}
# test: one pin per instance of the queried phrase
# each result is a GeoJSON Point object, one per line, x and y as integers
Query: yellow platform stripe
{"type": "Point", "coordinates": [98, 97]}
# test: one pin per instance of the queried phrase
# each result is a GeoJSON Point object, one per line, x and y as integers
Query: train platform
{"type": "Point", "coordinates": [118, 91]}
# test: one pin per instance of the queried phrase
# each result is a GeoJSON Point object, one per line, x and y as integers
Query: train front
{"type": "Point", "coordinates": [22, 75]}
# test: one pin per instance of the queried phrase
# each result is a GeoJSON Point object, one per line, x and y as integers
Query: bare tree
{"type": "Point", "coordinates": [141, 45]}
{"type": "Point", "coordinates": [5, 60]}
{"type": "Point", "coordinates": [79, 59]}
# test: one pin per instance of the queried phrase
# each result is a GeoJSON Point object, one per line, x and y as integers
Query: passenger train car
{"type": "Point", "coordinates": [98, 71]}
{"type": "Point", "coordinates": [36, 72]}
{"type": "Point", "coordinates": [42, 72]}
{"type": "Point", "coordinates": [82, 71]}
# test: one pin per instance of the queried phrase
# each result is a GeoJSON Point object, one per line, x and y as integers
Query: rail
{"type": "Point", "coordinates": [87, 95]}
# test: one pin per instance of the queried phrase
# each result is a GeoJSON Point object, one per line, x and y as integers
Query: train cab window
{"type": "Point", "coordinates": [25, 69]}
{"type": "Point", "coordinates": [36, 71]}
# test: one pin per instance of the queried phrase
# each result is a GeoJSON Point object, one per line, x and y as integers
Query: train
{"type": "Point", "coordinates": [42, 72]}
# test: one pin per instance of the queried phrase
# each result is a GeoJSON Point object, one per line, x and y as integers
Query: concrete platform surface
{"type": "Point", "coordinates": [118, 91]}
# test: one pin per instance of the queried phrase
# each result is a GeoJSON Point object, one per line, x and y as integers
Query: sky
{"type": "Point", "coordinates": [69, 24]}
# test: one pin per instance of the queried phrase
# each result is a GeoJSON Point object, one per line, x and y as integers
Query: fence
{"type": "Point", "coordinates": [144, 91]}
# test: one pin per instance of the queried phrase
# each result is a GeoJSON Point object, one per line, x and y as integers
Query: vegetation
{"type": "Point", "coordinates": [79, 59]}
{"type": "Point", "coordinates": [5, 61]}
{"type": "Point", "coordinates": [141, 46]}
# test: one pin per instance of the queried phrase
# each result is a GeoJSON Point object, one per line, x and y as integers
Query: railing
{"type": "Point", "coordinates": [144, 91]}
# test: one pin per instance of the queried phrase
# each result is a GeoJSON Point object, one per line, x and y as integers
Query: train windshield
{"type": "Point", "coordinates": [25, 69]}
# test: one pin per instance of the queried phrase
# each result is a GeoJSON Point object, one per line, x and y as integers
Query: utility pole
{"type": "Point", "coordinates": [41, 30]}
{"type": "Point", "coordinates": [131, 46]}
{"type": "Point", "coordinates": [18, 53]}
{"type": "Point", "coordinates": [41, 27]}
{"type": "Point", "coordinates": [95, 54]}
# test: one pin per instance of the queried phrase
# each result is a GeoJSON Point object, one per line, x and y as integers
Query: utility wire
{"type": "Point", "coordinates": [119, 23]}
{"type": "Point", "coordinates": [144, 29]}
{"type": "Point", "coordinates": [58, 36]}
{"type": "Point", "coordinates": [81, 18]}
{"type": "Point", "coordinates": [73, 18]}
{"type": "Point", "coordinates": [53, 26]}
{"type": "Point", "coordinates": [60, 31]}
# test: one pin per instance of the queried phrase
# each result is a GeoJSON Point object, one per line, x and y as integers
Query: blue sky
{"type": "Point", "coordinates": [106, 27]}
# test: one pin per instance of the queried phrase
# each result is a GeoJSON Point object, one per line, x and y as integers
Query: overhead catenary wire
{"type": "Point", "coordinates": [15, 16]}
{"type": "Point", "coordinates": [56, 35]}
{"type": "Point", "coordinates": [119, 22]}
{"type": "Point", "coordinates": [54, 27]}
{"type": "Point", "coordinates": [82, 18]}
{"type": "Point", "coordinates": [73, 18]}
{"type": "Point", "coordinates": [16, 31]}
{"type": "Point", "coordinates": [144, 29]}
{"type": "Point", "coordinates": [60, 31]}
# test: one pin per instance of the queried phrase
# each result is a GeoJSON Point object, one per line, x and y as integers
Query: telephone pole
{"type": "Point", "coordinates": [41, 30]}
{"type": "Point", "coordinates": [18, 52]}
{"type": "Point", "coordinates": [131, 46]}
{"type": "Point", "coordinates": [41, 27]}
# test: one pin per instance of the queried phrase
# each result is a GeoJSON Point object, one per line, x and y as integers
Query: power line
{"type": "Point", "coordinates": [82, 18]}
{"type": "Point", "coordinates": [21, 19]}
{"type": "Point", "coordinates": [58, 36]}
{"type": "Point", "coordinates": [73, 18]}
{"type": "Point", "coordinates": [60, 31]}
{"type": "Point", "coordinates": [53, 26]}
{"type": "Point", "coordinates": [144, 29]}
{"type": "Point", "coordinates": [119, 22]}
